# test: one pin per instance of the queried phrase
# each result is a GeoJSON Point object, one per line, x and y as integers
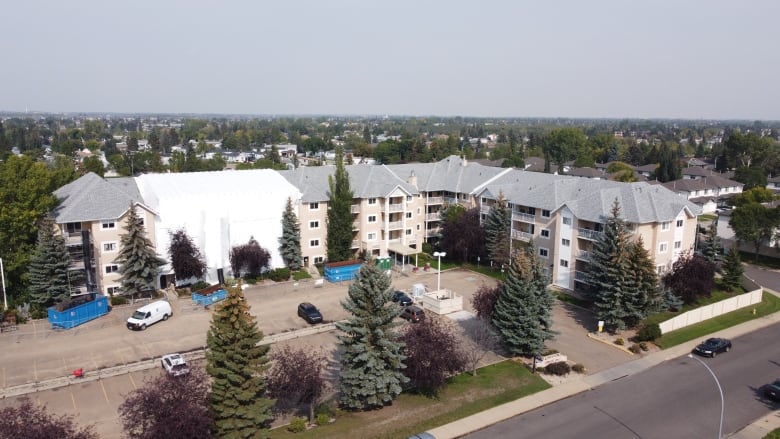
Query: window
{"type": "Point", "coordinates": [71, 228]}
{"type": "Point", "coordinates": [679, 223]}
{"type": "Point", "coordinates": [662, 247]}
{"type": "Point", "coordinates": [665, 225]}
{"type": "Point", "coordinates": [408, 232]}
{"type": "Point", "coordinates": [543, 253]}
{"type": "Point", "coordinates": [545, 213]}
{"type": "Point", "coordinates": [319, 259]}
{"type": "Point", "coordinates": [314, 243]}
{"type": "Point", "coordinates": [418, 227]}
{"type": "Point", "coordinates": [371, 201]}
{"type": "Point", "coordinates": [418, 211]}
{"type": "Point", "coordinates": [659, 269]}
{"type": "Point", "coordinates": [545, 233]}
{"type": "Point", "coordinates": [108, 225]}
{"type": "Point", "coordinates": [566, 221]}
{"type": "Point", "coordinates": [371, 236]}
{"type": "Point", "coordinates": [564, 263]}
{"type": "Point", "coordinates": [565, 242]}
{"type": "Point", "coordinates": [314, 206]}
{"type": "Point", "coordinates": [408, 214]}
{"type": "Point", "coordinates": [109, 246]}
{"type": "Point", "coordinates": [372, 218]}
{"type": "Point", "coordinates": [113, 268]}
{"type": "Point", "coordinates": [677, 245]}
{"type": "Point", "coordinates": [408, 198]}
{"type": "Point", "coordinates": [112, 290]}
{"type": "Point", "coordinates": [314, 224]}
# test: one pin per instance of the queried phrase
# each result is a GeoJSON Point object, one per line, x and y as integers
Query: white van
{"type": "Point", "coordinates": [148, 314]}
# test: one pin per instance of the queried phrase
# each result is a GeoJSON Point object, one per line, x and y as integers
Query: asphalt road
{"type": "Point", "coordinates": [677, 399]}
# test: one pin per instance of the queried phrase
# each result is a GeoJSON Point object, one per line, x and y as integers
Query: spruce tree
{"type": "Point", "coordinates": [371, 373]}
{"type": "Point", "coordinates": [236, 361]}
{"type": "Point", "coordinates": [139, 263]}
{"type": "Point", "coordinates": [290, 241]}
{"type": "Point", "coordinates": [50, 281]}
{"type": "Point", "coordinates": [610, 277]}
{"type": "Point", "coordinates": [497, 231]}
{"type": "Point", "coordinates": [732, 269]}
{"type": "Point", "coordinates": [522, 315]}
{"type": "Point", "coordinates": [646, 292]}
{"type": "Point", "coordinates": [711, 247]}
{"type": "Point", "coordinates": [339, 213]}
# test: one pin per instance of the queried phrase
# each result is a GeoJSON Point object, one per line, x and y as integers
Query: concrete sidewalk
{"type": "Point", "coordinates": [478, 421]}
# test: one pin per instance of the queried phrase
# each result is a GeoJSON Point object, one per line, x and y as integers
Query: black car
{"type": "Point", "coordinates": [772, 390]}
{"type": "Point", "coordinates": [712, 347]}
{"type": "Point", "coordinates": [309, 312]}
{"type": "Point", "coordinates": [402, 298]}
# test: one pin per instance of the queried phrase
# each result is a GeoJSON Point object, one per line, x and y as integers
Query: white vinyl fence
{"type": "Point", "coordinates": [712, 310]}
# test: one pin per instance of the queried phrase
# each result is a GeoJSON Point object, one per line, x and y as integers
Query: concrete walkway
{"type": "Point", "coordinates": [478, 421]}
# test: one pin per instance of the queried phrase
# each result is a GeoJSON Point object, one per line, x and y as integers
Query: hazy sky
{"type": "Point", "coordinates": [581, 58]}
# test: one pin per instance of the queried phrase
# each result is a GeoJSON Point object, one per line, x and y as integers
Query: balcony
{"type": "Point", "coordinates": [411, 241]}
{"type": "Point", "coordinates": [581, 276]}
{"type": "Point", "coordinates": [395, 207]}
{"type": "Point", "coordinates": [485, 208]}
{"type": "Point", "coordinates": [373, 245]}
{"type": "Point", "coordinates": [433, 232]}
{"type": "Point", "coordinates": [433, 216]}
{"type": "Point", "coordinates": [356, 225]}
{"type": "Point", "coordinates": [589, 234]}
{"type": "Point", "coordinates": [394, 241]}
{"type": "Point", "coordinates": [355, 243]}
{"type": "Point", "coordinates": [524, 217]}
{"type": "Point", "coordinates": [450, 200]}
{"type": "Point", "coordinates": [393, 225]}
{"type": "Point", "coordinates": [356, 208]}
{"type": "Point", "coordinates": [435, 200]}
{"type": "Point", "coordinates": [521, 236]}
{"type": "Point", "coordinates": [583, 255]}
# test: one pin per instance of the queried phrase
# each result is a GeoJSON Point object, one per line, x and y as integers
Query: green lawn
{"type": "Point", "coordinates": [769, 304]}
{"type": "Point", "coordinates": [774, 434]}
{"type": "Point", "coordinates": [717, 296]}
{"type": "Point", "coordinates": [464, 395]}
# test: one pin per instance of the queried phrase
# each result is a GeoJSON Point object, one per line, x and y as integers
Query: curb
{"type": "Point", "coordinates": [608, 343]}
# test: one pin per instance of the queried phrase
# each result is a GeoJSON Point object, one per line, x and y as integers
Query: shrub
{"type": "Point", "coordinates": [199, 285]}
{"type": "Point", "coordinates": [302, 274]}
{"type": "Point", "coordinates": [183, 292]}
{"type": "Point", "coordinates": [427, 248]}
{"type": "Point", "coordinates": [250, 280]}
{"type": "Point", "coordinates": [325, 409]}
{"type": "Point", "coordinates": [619, 341]}
{"type": "Point", "coordinates": [559, 368]}
{"type": "Point", "coordinates": [643, 345]}
{"type": "Point", "coordinates": [118, 300]}
{"type": "Point", "coordinates": [322, 419]}
{"type": "Point", "coordinates": [579, 368]}
{"type": "Point", "coordinates": [297, 425]}
{"type": "Point", "coordinates": [648, 332]}
{"type": "Point", "coordinates": [279, 274]}
{"type": "Point", "coordinates": [635, 348]}
{"type": "Point", "coordinates": [549, 352]}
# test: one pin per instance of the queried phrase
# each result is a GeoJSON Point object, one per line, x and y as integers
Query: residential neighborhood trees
{"type": "Point", "coordinates": [138, 261]}
{"type": "Point", "coordinates": [50, 281]}
{"type": "Point", "coordinates": [295, 377]}
{"type": "Point", "coordinates": [249, 259]}
{"type": "Point", "coordinates": [463, 237]}
{"type": "Point", "coordinates": [339, 238]}
{"type": "Point", "coordinates": [522, 316]}
{"type": "Point", "coordinates": [290, 241]}
{"type": "Point", "coordinates": [433, 354]}
{"type": "Point", "coordinates": [31, 420]}
{"type": "Point", "coordinates": [371, 353]}
{"type": "Point", "coordinates": [754, 223]}
{"type": "Point", "coordinates": [168, 406]}
{"type": "Point", "coordinates": [484, 301]}
{"type": "Point", "coordinates": [186, 259]}
{"type": "Point", "coordinates": [692, 276]}
{"type": "Point", "coordinates": [236, 361]}
{"type": "Point", "coordinates": [711, 247]}
{"type": "Point", "coordinates": [497, 230]}
{"type": "Point", "coordinates": [732, 269]}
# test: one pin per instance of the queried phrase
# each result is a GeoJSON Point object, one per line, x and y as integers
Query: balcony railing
{"type": "Point", "coordinates": [581, 276]}
{"type": "Point", "coordinates": [356, 225]}
{"type": "Point", "coordinates": [394, 241]}
{"type": "Point", "coordinates": [436, 231]}
{"type": "Point", "coordinates": [522, 236]}
{"type": "Point", "coordinates": [524, 217]}
{"type": "Point", "coordinates": [395, 207]}
{"type": "Point", "coordinates": [393, 225]}
{"type": "Point", "coordinates": [356, 208]}
{"type": "Point", "coordinates": [485, 208]}
{"type": "Point", "coordinates": [435, 200]}
{"type": "Point", "coordinates": [589, 234]}
{"type": "Point", "coordinates": [355, 243]}
{"type": "Point", "coordinates": [433, 216]}
{"type": "Point", "coordinates": [373, 245]}
{"type": "Point", "coordinates": [583, 255]}
{"type": "Point", "coordinates": [411, 241]}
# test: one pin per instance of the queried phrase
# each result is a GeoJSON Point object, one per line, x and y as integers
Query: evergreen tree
{"type": "Point", "coordinates": [610, 277]}
{"type": "Point", "coordinates": [732, 269]}
{"type": "Point", "coordinates": [49, 278]}
{"type": "Point", "coordinates": [290, 241]}
{"type": "Point", "coordinates": [522, 312]}
{"type": "Point", "coordinates": [235, 361]}
{"type": "Point", "coordinates": [646, 291]}
{"type": "Point", "coordinates": [186, 259]}
{"type": "Point", "coordinates": [139, 263]}
{"type": "Point", "coordinates": [371, 373]}
{"type": "Point", "coordinates": [339, 213]}
{"type": "Point", "coordinates": [711, 247]}
{"type": "Point", "coordinates": [497, 225]}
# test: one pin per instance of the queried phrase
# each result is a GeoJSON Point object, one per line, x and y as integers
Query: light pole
{"type": "Point", "coordinates": [2, 274]}
{"type": "Point", "coordinates": [438, 276]}
{"type": "Point", "coordinates": [720, 390]}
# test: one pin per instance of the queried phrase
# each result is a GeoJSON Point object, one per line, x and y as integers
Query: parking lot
{"type": "Point", "coordinates": [35, 352]}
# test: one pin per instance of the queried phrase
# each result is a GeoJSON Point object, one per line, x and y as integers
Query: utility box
{"type": "Point", "coordinates": [384, 263]}
{"type": "Point", "coordinates": [418, 290]}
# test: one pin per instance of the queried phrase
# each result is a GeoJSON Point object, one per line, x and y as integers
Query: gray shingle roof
{"type": "Point", "coordinates": [366, 181]}
{"type": "Point", "coordinates": [93, 198]}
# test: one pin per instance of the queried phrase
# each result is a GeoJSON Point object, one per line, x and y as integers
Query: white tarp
{"type": "Point", "coordinates": [219, 210]}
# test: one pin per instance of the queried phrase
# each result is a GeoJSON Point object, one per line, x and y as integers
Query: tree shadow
{"type": "Point", "coordinates": [583, 317]}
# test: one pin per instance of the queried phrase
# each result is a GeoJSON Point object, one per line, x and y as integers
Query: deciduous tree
{"type": "Point", "coordinates": [249, 259]}
{"type": "Point", "coordinates": [692, 276]}
{"type": "Point", "coordinates": [753, 223]}
{"type": "Point", "coordinates": [480, 338]}
{"type": "Point", "coordinates": [33, 421]}
{"type": "Point", "coordinates": [290, 241]}
{"type": "Point", "coordinates": [236, 361]}
{"type": "Point", "coordinates": [371, 357]}
{"type": "Point", "coordinates": [168, 406]}
{"type": "Point", "coordinates": [138, 262]}
{"type": "Point", "coordinates": [432, 354]}
{"type": "Point", "coordinates": [295, 377]}
{"type": "Point", "coordinates": [484, 301]}
{"type": "Point", "coordinates": [186, 259]}
{"type": "Point", "coordinates": [462, 233]}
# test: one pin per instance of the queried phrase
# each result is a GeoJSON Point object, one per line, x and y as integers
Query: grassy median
{"type": "Point", "coordinates": [769, 304]}
{"type": "Point", "coordinates": [464, 395]}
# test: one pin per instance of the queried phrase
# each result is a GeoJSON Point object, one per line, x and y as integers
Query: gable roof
{"type": "Point", "coordinates": [366, 181]}
{"type": "Point", "coordinates": [93, 198]}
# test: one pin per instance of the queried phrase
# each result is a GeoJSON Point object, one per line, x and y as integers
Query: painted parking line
{"type": "Point", "coordinates": [73, 400]}
{"type": "Point", "coordinates": [132, 381]}
{"type": "Point", "coordinates": [35, 369]}
{"type": "Point", "coordinates": [105, 394]}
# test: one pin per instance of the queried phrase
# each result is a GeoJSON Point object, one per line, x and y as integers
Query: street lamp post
{"type": "Point", "coordinates": [5, 298]}
{"type": "Point", "coordinates": [438, 276]}
{"type": "Point", "coordinates": [720, 390]}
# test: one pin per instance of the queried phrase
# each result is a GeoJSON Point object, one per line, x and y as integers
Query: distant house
{"type": "Point", "coordinates": [647, 170]}
{"type": "Point", "coordinates": [709, 192]}
{"type": "Point", "coordinates": [586, 172]}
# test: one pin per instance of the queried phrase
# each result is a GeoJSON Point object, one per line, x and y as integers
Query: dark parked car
{"type": "Point", "coordinates": [772, 390]}
{"type": "Point", "coordinates": [712, 347]}
{"type": "Point", "coordinates": [402, 298]}
{"type": "Point", "coordinates": [309, 312]}
{"type": "Point", "coordinates": [413, 313]}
